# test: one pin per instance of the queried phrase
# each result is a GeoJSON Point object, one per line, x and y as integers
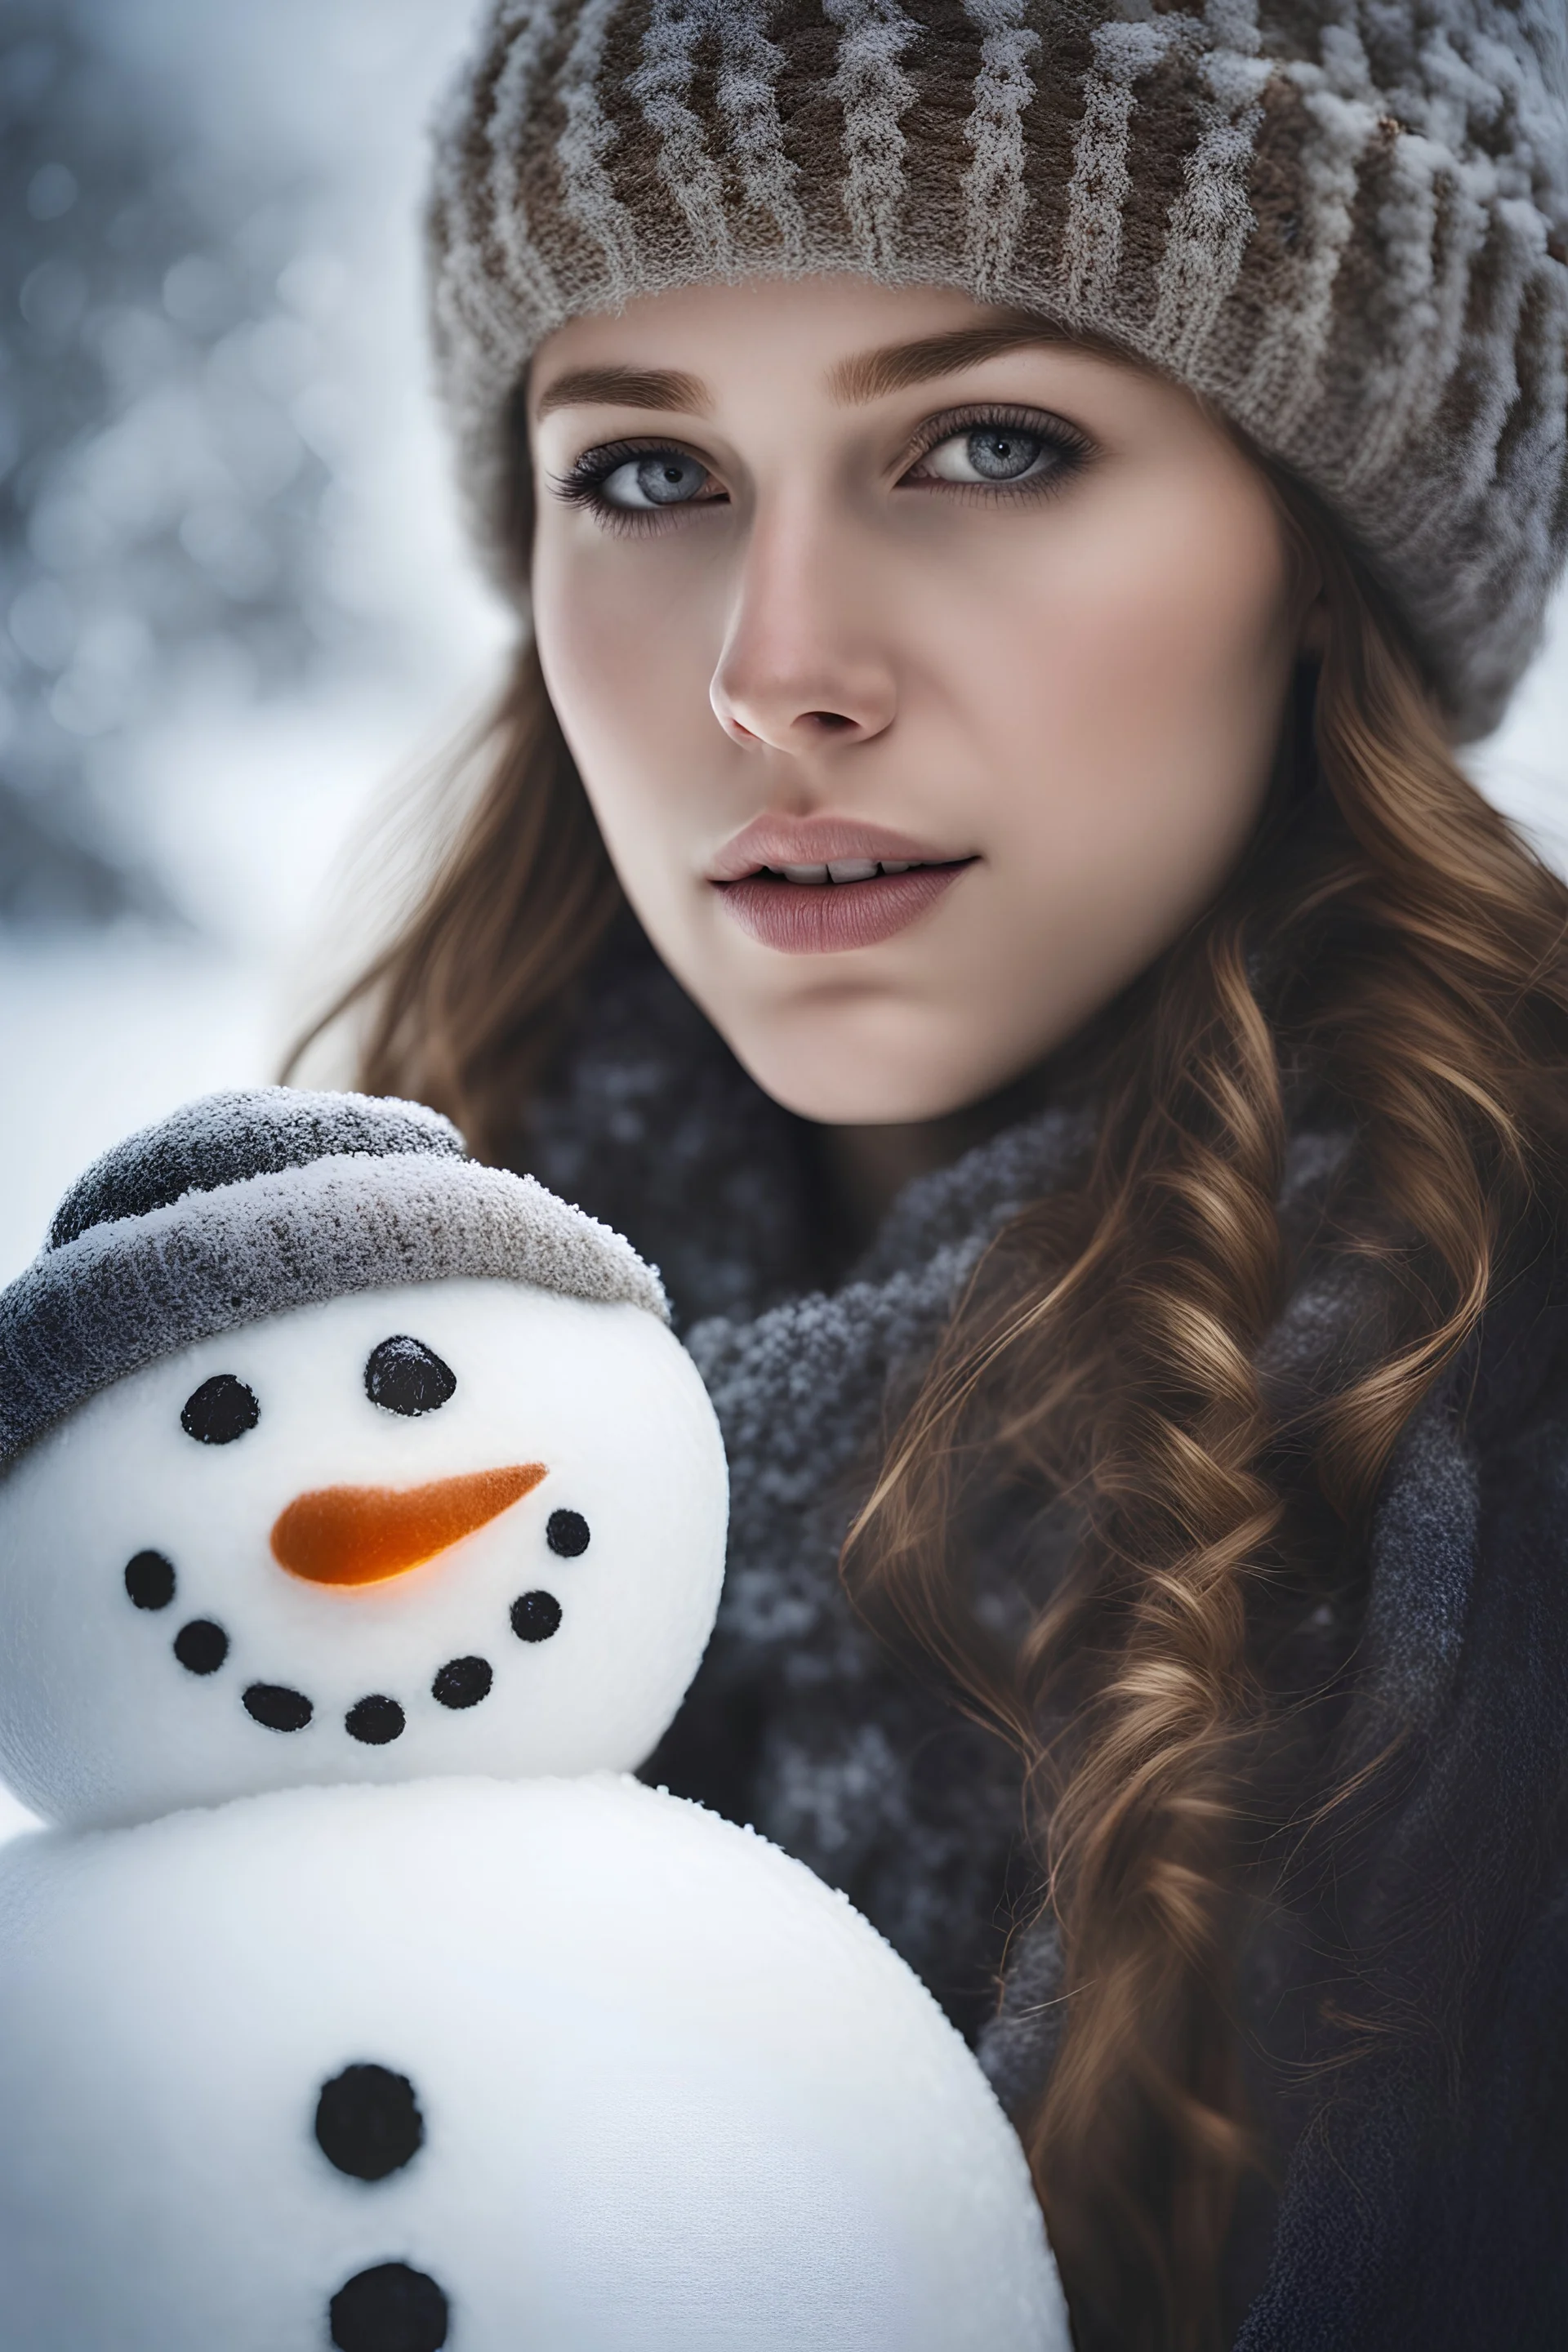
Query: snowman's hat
{"type": "Point", "coordinates": [241, 1205]}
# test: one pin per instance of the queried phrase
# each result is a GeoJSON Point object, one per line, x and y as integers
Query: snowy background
{"type": "Point", "coordinates": [233, 608]}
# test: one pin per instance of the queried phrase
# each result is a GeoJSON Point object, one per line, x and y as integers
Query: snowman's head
{"type": "Point", "coordinates": [363, 1462]}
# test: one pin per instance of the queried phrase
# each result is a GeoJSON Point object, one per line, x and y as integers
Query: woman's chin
{"type": "Point", "coordinates": [813, 1070]}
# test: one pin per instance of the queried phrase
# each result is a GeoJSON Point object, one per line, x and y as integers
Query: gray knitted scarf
{"type": "Point", "coordinates": [871, 1779]}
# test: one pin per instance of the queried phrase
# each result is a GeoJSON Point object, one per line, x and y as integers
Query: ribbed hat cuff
{"type": "Point", "coordinates": [125, 1292]}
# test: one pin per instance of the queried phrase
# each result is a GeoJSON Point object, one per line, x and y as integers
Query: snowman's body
{"type": "Point", "coordinates": [358, 1999]}
{"type": "Point", "coordinates": [653, 2089]}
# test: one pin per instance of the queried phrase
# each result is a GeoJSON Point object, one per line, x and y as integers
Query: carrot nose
{"type": "Point", "coordinates": [362, 1535]}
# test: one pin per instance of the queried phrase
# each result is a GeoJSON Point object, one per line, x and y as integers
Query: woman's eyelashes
{"type": "Point", "coordinates": [997, 450]}
{"type": "Point", "coordinates": [631, 484]}
{"type": "Point", "coordinates": [637, 485]}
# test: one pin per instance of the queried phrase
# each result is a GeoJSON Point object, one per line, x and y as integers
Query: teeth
{"type": "Point", "coordinates": [844, 869]}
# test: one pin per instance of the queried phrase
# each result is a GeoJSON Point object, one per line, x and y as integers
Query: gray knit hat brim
{"type": "Point", "coordinates": [128, 1290]}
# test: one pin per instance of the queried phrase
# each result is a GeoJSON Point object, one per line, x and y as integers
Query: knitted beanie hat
{"type": "Point", "coordinates": [1345, 222]}
{"type": "Point", "coordinates": [241, 1205]}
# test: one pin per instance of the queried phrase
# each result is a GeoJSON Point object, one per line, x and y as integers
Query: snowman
{"type": "Point", "coordinates": [361, 1525]}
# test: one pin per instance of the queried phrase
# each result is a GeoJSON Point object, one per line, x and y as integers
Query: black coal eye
{"type": "Point", "coordinates": [402, 1375]}
{"type": "Point", "coordinates": [221, 1410]}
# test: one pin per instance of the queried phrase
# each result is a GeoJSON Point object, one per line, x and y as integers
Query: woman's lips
{"type": "Point", "coordinates": [811, 918]}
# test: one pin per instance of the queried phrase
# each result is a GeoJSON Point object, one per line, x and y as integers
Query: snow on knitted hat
{"type": "Point", "coordinates": [243, 1204]}
{"type": "Point", "coordinates": [1344, 221]}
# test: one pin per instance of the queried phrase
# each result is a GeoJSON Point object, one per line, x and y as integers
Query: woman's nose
{"type": "Point", "coordinates": [805, 664]}
{"type": "Point", "coordinates": [362, 1535]}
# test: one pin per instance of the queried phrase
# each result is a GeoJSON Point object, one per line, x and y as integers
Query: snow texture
{"type": "Point", "coordinates": [229, 1136]}
{"type": "Point", "coordinates": [231, 590]}
{"type": "Point", "coordinates": [100, 1720]}
{"type": "Point", "coordinates": [677, 2097]}
{"type": "Point", "coordinates": [125, 1282]}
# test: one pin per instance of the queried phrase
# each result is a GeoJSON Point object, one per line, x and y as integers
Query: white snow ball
{"type": "Point", "coordinates": [567, 2065]}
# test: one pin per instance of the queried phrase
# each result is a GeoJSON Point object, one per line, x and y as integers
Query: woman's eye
{"type": "Point", "coordinates": [990, 453]}
{"type": "Point", "coordinates": [659, 477]}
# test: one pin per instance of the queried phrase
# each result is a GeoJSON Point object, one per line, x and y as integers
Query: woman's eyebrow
{"type": "Point", "coordinates": [871, 375]}
{"type": "Point", "coordinates": [625, 387]}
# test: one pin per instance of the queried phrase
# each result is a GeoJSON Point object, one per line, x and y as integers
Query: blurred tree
{"type": "Point", "coordinates": [159, 492]}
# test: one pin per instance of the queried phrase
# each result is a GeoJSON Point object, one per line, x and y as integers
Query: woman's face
{"type": "Point", "coordinates": [924, 676]}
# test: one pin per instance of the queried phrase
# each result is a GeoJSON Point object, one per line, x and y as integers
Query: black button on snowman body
{"type": "Point", "coordinates": [564, 2065]}
{"type": "Point", "coordinates": [368, 2126]}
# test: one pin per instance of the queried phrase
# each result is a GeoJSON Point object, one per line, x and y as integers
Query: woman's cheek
{"type": "Point", "coordinates": [624, 662]}
{"type": "Point", "coordinates": [1137, 758]}
{"type": "Point", "coordinates": [1159, 693]}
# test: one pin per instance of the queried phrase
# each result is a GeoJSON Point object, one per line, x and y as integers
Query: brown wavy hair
{"type": "Point", "coordinates": [1390, 948]}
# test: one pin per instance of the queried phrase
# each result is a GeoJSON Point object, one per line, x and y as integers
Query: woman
{"type": "Point", "coordinates": [1018, 502]}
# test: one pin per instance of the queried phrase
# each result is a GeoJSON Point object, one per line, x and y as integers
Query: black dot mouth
{"type": "Point", "coordinates": [463, 1683]}
{"type": "Point", "coordinates": [376, 1721]}
{"type": "Point", "coordinates": [202, 1646]}
{"type": "Point", "coordinates": [277, 1708]}
{"type": "Point", "coordinates": [535, 1616]}
{"type": "Point", "coordinates": [566, 1533]}
{"type": "Point", "coordinates": [150, 1581]}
